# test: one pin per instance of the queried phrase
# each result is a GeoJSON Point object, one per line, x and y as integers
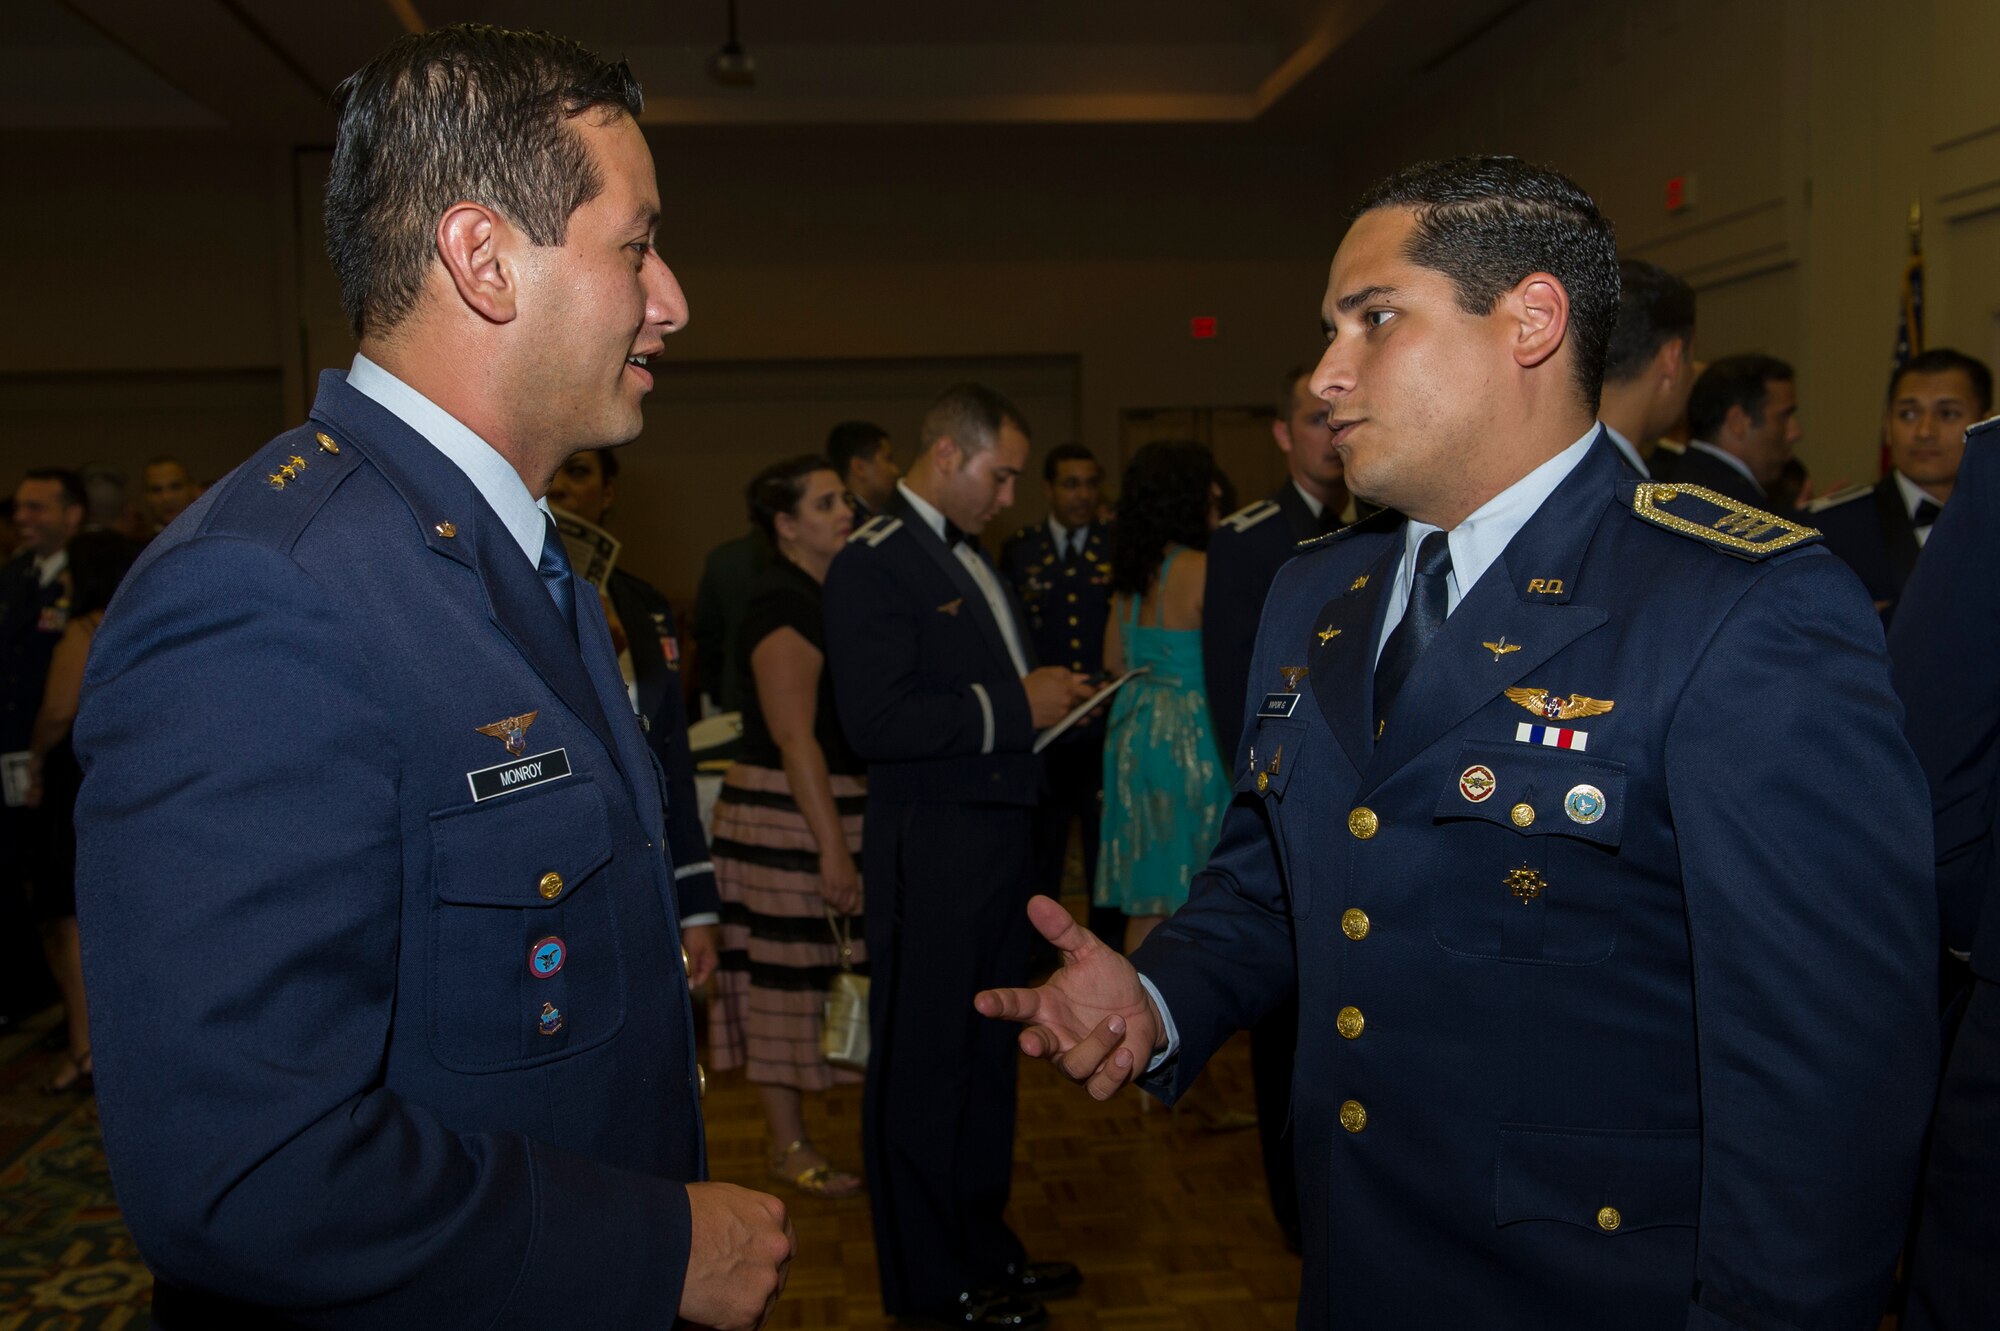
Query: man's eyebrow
{"type": "Point", "coordinates": [1354, 300]}
{"type": "Point", "coordinates": [645, 217]}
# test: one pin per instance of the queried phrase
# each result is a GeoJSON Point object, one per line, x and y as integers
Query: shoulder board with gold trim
{"type": "Point", "coordinates": [1991, 425]}
{"type": "Point", "coordinates": [1839, 497]}
{"type": "Point", "coordinates": [1725, 523]}
{"type": "Point", "coordinates": [1243, 519]}
{"type": "Point", "coordinates": [1382, 519]}
{"type": "Point", "coordinates": [876, 530]}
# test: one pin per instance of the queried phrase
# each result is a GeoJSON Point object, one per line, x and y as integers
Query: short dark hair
{"type": "Point", "coordinates": [1164, 498]}
{"type": "Point", "coordinates": [1733, 381]}
{"type": "Point", "coordinates": [465, 112]}
{"type": "Point", "coordinates": [73, 494]}
{"type": "Point", "coordinates": [1488, 222]}
{"type": "Point", "coordinates": [1654, 308]}
{"type": "Point", "coordinates": [850, 440]}
{"type": "Point", "coordinates": [98, 562]}
{"type": "Point", "coordinates": [1943, 360]}
{"type": "Point", "coordinates": [971, 416]}
{"type": "Point", "coordinates": [1062, 453]}
{"type": "Point", "coordinates": [778, 489]}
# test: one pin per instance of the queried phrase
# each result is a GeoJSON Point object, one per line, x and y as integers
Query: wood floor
{"type": "Point", "coordinates": [1169, 1223]}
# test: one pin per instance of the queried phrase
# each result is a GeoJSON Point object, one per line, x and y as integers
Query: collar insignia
{"type": "Point", "coordinates": [1502, 647]}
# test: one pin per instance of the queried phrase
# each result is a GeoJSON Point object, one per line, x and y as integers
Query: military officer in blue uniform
{"type": "Point", "coordinates": [1574, 809]}
{"type": "Point", "coordinates": [1060, 568]}
{"type": "Point", "coordinates": [649, 656]}
{"type": "Point", "coordinates": [389, 1022]}
{"type": "Point", "coordinates": [936, 684]}
{"type": "Point", "coordinates": [1878, 529]}
{"type": "Point", "coordinates": [1944, 641]}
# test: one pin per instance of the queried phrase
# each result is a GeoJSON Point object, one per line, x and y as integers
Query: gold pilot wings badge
{"type": "Point", "coordinates": [1542, 704]}
{"type": "Point", "coordinates": [513, 732]}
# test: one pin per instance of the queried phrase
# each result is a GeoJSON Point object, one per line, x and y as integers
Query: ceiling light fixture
{"type": "Point", "coordinates": [731, 65]}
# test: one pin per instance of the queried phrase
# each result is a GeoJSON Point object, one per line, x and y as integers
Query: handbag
{"type": "Point", "coordinates": [843, 1028]}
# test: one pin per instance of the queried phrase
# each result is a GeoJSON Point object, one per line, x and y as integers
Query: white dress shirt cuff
{"type": "Point", "coordinates": [700, 920]}
{"type": "Point", "coordinates": [1166, 1020]}
{"type": "Point", "coordinates": [986, 716]}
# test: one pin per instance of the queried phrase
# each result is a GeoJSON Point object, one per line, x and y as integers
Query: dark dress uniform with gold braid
{"type": "Point", "coordinates": [1067, 597]}
{"type": "Point", "coordinates": [1633, 1032]}
{"type": "Point", "coordinates": [387, 1008]}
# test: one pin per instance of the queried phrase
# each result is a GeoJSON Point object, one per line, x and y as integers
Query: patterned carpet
{"type": "Point", "coordinates": [66, 1260]}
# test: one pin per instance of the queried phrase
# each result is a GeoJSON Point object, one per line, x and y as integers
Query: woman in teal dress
{"type": "Point", "coordinates": [1164, 786]}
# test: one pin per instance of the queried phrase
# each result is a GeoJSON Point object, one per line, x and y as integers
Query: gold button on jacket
{"type": "Point", "coordinates": [1349, 1022]}
{"type": "Point", "coordinates": [1352, 1116]}
{"type": "Point", "coordinates": [1608, 1219]}
{"type": "Point", "coordinates": [551, 885]}
{"type": "Point", "coordinates": [1522, 814]}
{"type": "Point", "coordinates": [1354, 923]}
{"type": "Point", "coordinates": [1363, 822]}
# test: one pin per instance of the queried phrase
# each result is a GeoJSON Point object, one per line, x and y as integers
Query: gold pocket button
{"type": "Point", "coordinates": [1522, 814]}
{"type": "Point", "coordinates": [551, 885]}
{"type": "Point", "coordinates": [1608, 1219]}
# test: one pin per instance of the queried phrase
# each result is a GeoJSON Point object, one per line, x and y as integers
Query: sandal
{"type": "Point", "coordinates": [820, 1180]}
{"type": "Point", "coordinates": [73, 1074]}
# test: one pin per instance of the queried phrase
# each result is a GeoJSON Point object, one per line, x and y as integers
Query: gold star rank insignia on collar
{"type": "Point", "coordinates": [513, 732]}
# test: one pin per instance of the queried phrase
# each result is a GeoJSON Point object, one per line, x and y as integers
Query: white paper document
{"type": "Point", "coordinates": [1054, 732]}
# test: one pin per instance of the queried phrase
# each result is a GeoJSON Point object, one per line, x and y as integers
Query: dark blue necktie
{"type": "Point", "coordinates": [557, 575]}
{"type": "Point", "coordinates": [1926, 514]}
{"type": "Point", "coordinates": [1422, 618]}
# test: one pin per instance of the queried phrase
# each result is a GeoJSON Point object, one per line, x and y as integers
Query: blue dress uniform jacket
{"type": "Point", "coordinates": [1067, 603]}
{"type": "Point", "coordinates": [648, 618]}
{"type": "Point", "coordinates": [929, 697]}
{"type": "Point", "coordinates": [1637, 1033]}
{"type": "Point", "coordinates": [1696, 466]}
{"type": "Point", "coordinates": [343, 1075]}
{"type": "Point", "coordinates": [1943, 645]}
{"type": "Point", "coordinates": [1244, 555]}
{"type": "Point", "coordinates": [1870, 529]}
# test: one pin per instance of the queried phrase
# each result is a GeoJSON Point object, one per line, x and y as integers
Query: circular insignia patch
{"type": "Point", "coordinates": [1584, 804]}
{"type": "Point", "coordinates": [552, 1019]}
{"type": "Point", "coordinates": [1476, 783]}
{"type": "Point", "coordinates": [546, 957]}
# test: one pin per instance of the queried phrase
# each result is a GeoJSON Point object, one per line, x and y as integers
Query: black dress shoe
{"type": "Point", "coordinates": [1043, 1280]}
{"type": "Point", "coordinates": [983, 1308]}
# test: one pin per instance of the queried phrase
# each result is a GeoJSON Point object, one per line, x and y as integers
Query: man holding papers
{"type": "Point", "coordinates": [933, 673]}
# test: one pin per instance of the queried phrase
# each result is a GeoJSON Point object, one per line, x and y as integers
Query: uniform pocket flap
{"type": "Point", "coordinates": [1277, 747]}
{"type": "Point", "coordinates": [1603, 1179]}
{"type": "Point", "coordinates": [1537, 791]}
{"type": "Point", "coordinates": [532, 850]}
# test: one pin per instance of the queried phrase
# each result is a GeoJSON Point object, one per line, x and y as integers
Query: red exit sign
{"type": "Point", "coordinates": [1202, 326]}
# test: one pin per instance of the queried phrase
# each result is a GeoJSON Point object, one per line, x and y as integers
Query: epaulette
{"type": "Point", "coordinates": [1382, 519]}
{"type": "Point", "coordinates": [1725, 523]}
{"type": "Point", "coordinates": [1838, 497]}
{"type": "Point", "coordinates": [1243, 519]}
{"type": "Point", "coordinates": [1990, 425]}
{"type": "Point", "coordinates": [282, 485]}
{"type": "Point", "coordinates": [876, 530]}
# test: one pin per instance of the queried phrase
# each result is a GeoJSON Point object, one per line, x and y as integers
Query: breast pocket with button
{"type": "Point", "coordinates": [525, 965]}
{"type": "Point", "coordinates": [1524, 860]}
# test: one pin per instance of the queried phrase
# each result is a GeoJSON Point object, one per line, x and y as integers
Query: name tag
{"type": "Point", "coordinates": [1278, 704]}
{"type": "Point", "coordinates": [519, 774]}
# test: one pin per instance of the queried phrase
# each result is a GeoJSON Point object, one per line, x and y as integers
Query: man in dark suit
{"type": "Point", "coordinates": [1649, 364]}
{"type": "Point", "coordinates": [49, 508]}
{"type": "Point", "coordinates": [1244, 556]}
{"type": "Point", "coordinates": [1743, 423]}
{"type": "Point", "coordinates": [1943, 644]}
{"type": "Point", "coordinates": [1615, 975]}
{"type": "Point", "coordinates": [934, 677]}
{"type": "Point", "coordinates": [398, 1034]}
{"type": "Point", "coordinates": [860, 452]}
{"type": "Point", "coordinates": [649, 659]}
{"type": "Point", "coordinates": [1060, 568]}
{"type": "Point", "coordinates": [1878, 529]}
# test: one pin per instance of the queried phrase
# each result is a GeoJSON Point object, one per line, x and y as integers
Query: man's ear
{"type": "Point", "coordinates": [1281, 430]}
{"type": "Point", "coordinates": [1668, 360]}
{"type": "Point", "coordinates": [1735, 423]}
{"type": "Point", "coordinates": [1538, 311]}
{"type": "Point", "coordinates": [473, 244]}
{"type": "Point", "coordinates": [947, 455]}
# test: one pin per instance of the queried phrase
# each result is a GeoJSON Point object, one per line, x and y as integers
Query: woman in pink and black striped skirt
{"type": "Point", "coordinates": [787, 832]}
